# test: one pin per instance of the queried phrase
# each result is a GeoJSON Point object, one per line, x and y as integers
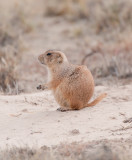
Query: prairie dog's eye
{"type": "Point", "coordinates": [48, 54]}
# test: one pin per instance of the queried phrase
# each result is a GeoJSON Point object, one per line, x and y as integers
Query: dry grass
{"type": "Point", "coordinates": [119, 65]}
{"type": "Point", "coordinates": [69, 8]}
{"type": "Point", "coordinates": [105, 15]}
{"type": "Point", "coordinates": [16, 23]}
{"type": "Point", "coordinates": [21, 21]}
{"type": "Point", "coordinates": [101, 150]}
{"type": "Point", "coordinates": [10, 54]}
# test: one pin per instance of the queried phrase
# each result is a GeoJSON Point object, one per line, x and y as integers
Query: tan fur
{"type": "Point", "coordinates": [72, 85]}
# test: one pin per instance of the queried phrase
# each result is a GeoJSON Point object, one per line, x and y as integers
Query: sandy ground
{"type": "Point", "coordinates": [32, 119]}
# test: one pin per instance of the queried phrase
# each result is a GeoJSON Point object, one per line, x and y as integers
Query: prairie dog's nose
{"type": "Point", "coordinates": [39, 57]}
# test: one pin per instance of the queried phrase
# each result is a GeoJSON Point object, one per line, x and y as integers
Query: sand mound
{"type": "Point", "coordinates": [32, 119]}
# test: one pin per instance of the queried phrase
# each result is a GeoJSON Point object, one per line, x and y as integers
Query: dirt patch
{"type": "Point", "coordinates": [33, 119]}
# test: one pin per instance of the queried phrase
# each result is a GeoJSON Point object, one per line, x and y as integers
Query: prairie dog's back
{"type": "Point", "coordinates": [77, 85]}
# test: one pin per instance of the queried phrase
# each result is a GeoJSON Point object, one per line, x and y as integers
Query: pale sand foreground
{"type": "Point", "coordinates": [32, 119]}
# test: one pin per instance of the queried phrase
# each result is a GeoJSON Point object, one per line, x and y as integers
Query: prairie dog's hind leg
{"type": "Point", "coordinates": [64, 106]}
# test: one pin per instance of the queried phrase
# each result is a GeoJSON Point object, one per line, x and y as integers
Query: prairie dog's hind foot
{"type": "Point", "coordinates": [63, 109]}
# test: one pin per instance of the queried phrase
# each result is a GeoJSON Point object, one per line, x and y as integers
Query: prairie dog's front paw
{"type": "Point", "coordinates": [39, 87]}
{"type": "Point", "coordinates": [43, 87]}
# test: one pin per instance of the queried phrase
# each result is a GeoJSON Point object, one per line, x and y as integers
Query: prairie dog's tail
{"type": "Point", "coordinates": [97, 100]}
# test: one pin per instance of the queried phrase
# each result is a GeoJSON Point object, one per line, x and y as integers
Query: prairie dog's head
{"type": "Point", "coordinates": [52, 58]}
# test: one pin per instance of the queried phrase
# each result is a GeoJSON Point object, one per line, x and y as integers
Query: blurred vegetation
{"type": "Point", "coordinates": [10, 57]}
{"type": "Point", "coordinates": [96, 150]}
{"type": "Point", "coordinates": [95, 26]}
{"type": "Point", "coordinates": [103, 15]}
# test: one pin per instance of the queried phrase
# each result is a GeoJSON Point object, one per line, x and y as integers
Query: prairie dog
{"type": "Point", "coordinates": [72, 85]}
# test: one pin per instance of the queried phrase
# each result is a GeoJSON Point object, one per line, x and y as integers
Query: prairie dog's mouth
{"type": "Point", "coordinates": [41, 59]}
{"type": "Point", "coordinates": [42, 62]}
